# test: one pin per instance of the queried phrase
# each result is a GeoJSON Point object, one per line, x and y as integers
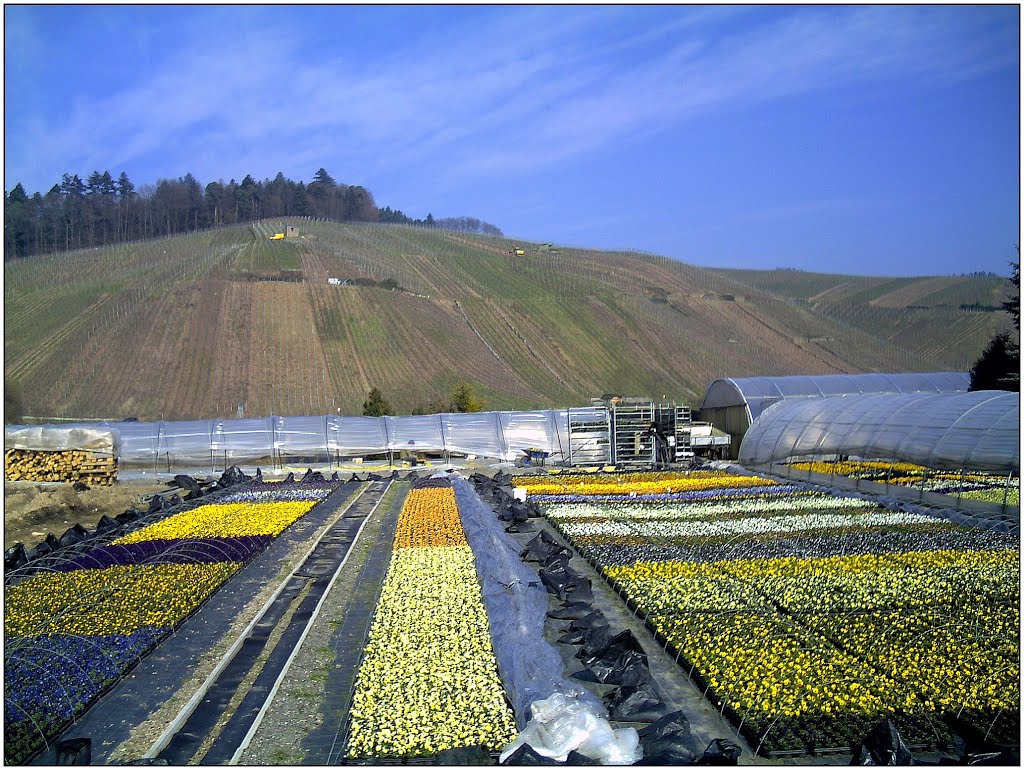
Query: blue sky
{"type": "Point", "coordinates": [879, 140]}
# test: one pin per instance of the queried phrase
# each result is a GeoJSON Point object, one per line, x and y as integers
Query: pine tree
{"type": "Point", "coordinates": [375, 404]}
{"type": "Point", "coordinates": [464, 400]}
{"type": "Point", "coordinates": [999, 365]}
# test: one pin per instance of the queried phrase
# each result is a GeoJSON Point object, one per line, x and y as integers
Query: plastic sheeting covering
{"type": "Point", "coordinates": [758, 393]}
{"type": "Point", "coordinates": [531, 668]}
{"type": "Point", "coordinates": [977, 431]}
{"type": "Point", "coordinates": [48, 438]}
{"type": "Point", "coordinates": [221, 443]}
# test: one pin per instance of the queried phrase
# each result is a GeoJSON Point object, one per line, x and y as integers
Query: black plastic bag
{"type": "Point", "coordinates": [259, 474]}
{"type": "Point", "coordinates": [555, 578]}
{"type": "Point", "coordinates": [183, 481]}
{"type": "Point", "coordinates": [580, 589]}
{"type": "Point", "coordinates": [625, 667]}
{"type": "Point", "coordinates": [289, 479]}
{"type": "Point", "coordinates": [572, 637]}
{"type": "Point", "coordinates": [235, 475]}
{"type": "Point", "coordinates": [75, 534]}
{"type": "Point", "coordinates": [561, 579]}
{"type": "Point", "coordinates": [156, 504]}
{"type": "Point", "coordinates": [105, 524]}
{"type": "Point", "coordinates": [591, 620]}
{"type": "Point", "coordinates": [634, 704]}
{"type": "Point", "coordinates": [80, 486]}
{"type": "Point", "coordinates": [519, 510]}
{"type": "Point", "coordinates": [575, 758]}
{"type": "Point", "coordinates": [883, 745]}
{"type": "Point", "coordinates": [525, 755]}
{"type": "Point", "coordinates": [15, 557]}
{"type": "Point", "coordinates": [612, 645]}
{"type": "Point", "coordinates": [520, 527]}
{"type": "Point", "coordinates": [555, 553]}
{"type": "Point", "coordinates": [721, 751]}
{"type": "Point", "coordinates": [668, 741]}
{"type": "Point", "coordinates": [595, 641]}
{"type": "Point", "coordinates": [571, 611]}
{"type": "Point", "coordinates": [128, 516]}
{"type": "Point", "coordinates": [542, 548]}
{"type": "Point", "coordinates": [74, 751]}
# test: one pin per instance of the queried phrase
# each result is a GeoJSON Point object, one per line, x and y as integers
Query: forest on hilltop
{"type": "Point", "coordinates": [102, 211]}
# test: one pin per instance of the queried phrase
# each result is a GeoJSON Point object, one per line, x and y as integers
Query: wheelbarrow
{"type": "Point", "coordinates": [534, 457]}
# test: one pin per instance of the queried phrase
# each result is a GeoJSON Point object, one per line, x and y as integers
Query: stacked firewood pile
{"type": "Point", "coordinates": [65, 466]}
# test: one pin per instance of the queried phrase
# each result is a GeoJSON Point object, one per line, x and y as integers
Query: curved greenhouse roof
{"type": "Point", "coordinates": [758, 393]}
{"type": "Point", "coordinates": [976, 431]}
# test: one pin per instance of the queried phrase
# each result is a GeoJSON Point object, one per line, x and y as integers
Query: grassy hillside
{"type": "Point", "coordinates": [190, 327]}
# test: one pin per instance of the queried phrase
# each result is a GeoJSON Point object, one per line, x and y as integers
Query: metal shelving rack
{"type": "Point", "coordinates": [629, 421]}
{"type": "Point", "coordinates": [676, 421]}
{"type": "Point", "coordinates": [589, 429]}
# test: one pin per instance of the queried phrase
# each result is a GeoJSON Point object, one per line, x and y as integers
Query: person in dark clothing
{"type": "Point", "coordinates": [661, 451]}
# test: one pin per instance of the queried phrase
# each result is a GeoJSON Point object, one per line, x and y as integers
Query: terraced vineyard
{"type": "Point", "coordinates": [193, 326]}
{"type": "Point", "coordinates": [900, 313]}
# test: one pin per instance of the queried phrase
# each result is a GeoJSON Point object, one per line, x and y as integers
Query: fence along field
{"type": "Point", "coordinates": [175, 328]}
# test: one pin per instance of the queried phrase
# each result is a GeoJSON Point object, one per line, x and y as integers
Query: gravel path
{"type": "Point", "coordinates": [310, 707]}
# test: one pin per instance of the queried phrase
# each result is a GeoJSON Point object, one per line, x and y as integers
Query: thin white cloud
{"type": "Point", "coordinates": [521, 89]}
{"type": "Point", "coordinates": [797, 54]}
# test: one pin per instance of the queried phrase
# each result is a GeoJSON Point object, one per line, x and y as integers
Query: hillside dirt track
{"type": "Point", "coordinates": [31, 511]}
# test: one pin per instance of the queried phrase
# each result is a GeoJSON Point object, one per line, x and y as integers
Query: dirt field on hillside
{"type": "Point", "coordinates": [31, 511]}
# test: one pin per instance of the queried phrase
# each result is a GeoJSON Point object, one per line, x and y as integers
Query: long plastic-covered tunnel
{"type": "Point", "coordinates": [222, 442]}
{"type": "Point", "coordinates": [977, 431]}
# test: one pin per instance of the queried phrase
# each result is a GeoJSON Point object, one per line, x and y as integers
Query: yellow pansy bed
{"type": "Point", "coordinates": [988, 487]}
{"type": "Point", "coordinates": [428, 680]}
{"type": "Point", "coordinates": [754, 595]}
{"type": "Point", "coordinates": [610, 485]}
{"type": "Point", "coordinates": [639, 477]}
{"type": "Point", "coordinates": [71, 633]}
{"type": "Point", "coordinates": [784, 686]}
{"type": "Point", "coordinates": [224, 520]}
{"type": "Point", "coordinates": [963, 661]}
{"type": "Point", "coordinates": [118, 600]}
{"type": "Point", "coordinates": [940, 626]}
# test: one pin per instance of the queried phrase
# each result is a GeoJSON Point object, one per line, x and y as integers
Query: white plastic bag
{"type": "Point", "coordinates": [562, 723]}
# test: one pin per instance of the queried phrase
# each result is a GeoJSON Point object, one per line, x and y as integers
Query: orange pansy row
{"type": "Point", "coordinates": [429, 519]}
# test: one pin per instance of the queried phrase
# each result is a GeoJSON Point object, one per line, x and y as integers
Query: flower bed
{"type": "Point", "coordinates": [808, 618]}
{"type": "Point", "coordinates": [636, 483]}
{"type": "Point", "coordinates": [976, 486]}
{"type": "Point", "coordinates": [223, 520]}
{"type": "Point", "coordinates": [73, 632]}
{"type": "Point", "coordinates": [428, 680]}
